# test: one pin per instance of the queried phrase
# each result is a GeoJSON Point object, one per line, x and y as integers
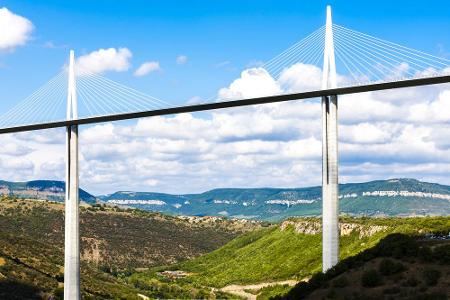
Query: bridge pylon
{"type": "Point", "coordinates": [330, 184]}
{"type": "Point", "coordinates": [72, 230]}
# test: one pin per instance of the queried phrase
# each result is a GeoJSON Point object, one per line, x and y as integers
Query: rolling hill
{"type": "Point", "coordinates": [394, 197]}
{"type": "Point", "coordinates": [290, 250]}
{"type": "Point", "coordinates": [114, 243]}
{"type": "Point", "coordinates": [398, 267]}
{"type": "Point", "coordinates": [52, 190]}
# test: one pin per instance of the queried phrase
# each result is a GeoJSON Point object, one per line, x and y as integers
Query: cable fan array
{"type": "Point", "coordinates": [370, 59]}
{"type": "Point", "coordinates": [96, 94]}
{"type": "Point", "coordinates": [360, 59]}
{"type": "Point", "coordinates": [99, 96]}
{"type": "Point", "coordinates": [44, 105]}
{"type": "Point", "coordinates": [307, 51]}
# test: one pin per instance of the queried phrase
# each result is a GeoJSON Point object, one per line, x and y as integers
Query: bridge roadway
{"type": "Point", "coordinates": [235, 103]}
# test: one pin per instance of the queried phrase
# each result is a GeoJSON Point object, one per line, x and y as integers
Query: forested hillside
{"type": "Point", "coordinates": [289, 251]}
{"type": "Point", "coordinates": [114, 243]}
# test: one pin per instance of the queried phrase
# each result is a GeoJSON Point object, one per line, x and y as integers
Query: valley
{"type": "Point", "coordinates": [114, 243]}
{"type": "Point", "coordinates": [128, 253]}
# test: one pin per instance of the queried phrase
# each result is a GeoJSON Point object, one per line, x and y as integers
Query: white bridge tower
{"type": "Point", "coordinates": [72, 232]}
{"type": "Point", "coordinates": [330, 188]}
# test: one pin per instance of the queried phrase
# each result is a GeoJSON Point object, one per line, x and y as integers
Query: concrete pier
{"type": "Point", "coordinates": [71, 229]}
{"type": "Point", "coordinates": [330, 182]}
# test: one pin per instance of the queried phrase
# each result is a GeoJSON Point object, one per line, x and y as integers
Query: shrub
{"type": "Point", "coordinates": [442, 254]}
{"type": "Point", "coordinates": [340, 282]}
{"type": "Point", "coordinates": [432, 296]}
{"type": "Point", "coordinates": [425, 254]}
{"type": "Point", "coordinates": [391, 290]}
{"type": "Point", "coordinates": [58, 293]}
{"type": "Point", "coordinates": [397, 245]}
{"type": "Point", "coordinates": [389, 267]}
{"type": "Point", "coordinates": [331, 294]}
{"type": "Point", "coordinates": [431, 276]}
{"type": "Point", "coordinates": [411, 281]}
{"type": "Point", "coordinates": [370, 278]}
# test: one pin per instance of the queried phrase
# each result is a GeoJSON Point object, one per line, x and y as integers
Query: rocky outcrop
{"type": "Point", "coordinates": [315, 227]}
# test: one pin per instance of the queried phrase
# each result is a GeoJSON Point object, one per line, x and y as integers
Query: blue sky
{"type": "Point", "coordinates": [382, 135]}
{"type": "Point", "coordinates": [207, 32]}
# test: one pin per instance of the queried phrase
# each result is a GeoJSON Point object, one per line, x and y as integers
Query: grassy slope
{"type": "Point", "coordinates": [398, 267]}
{"type": "Point", "coordinates": [31, 248]}
{"type": "Point", "coordinates": [124, 239]}
{"type": "Point", "coordinates": [35, 268]}
{"type": "Point", "coordinates": [274, 254]}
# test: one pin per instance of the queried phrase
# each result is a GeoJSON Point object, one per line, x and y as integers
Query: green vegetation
{"type": "Point", "coordinates": [267, 203]}
{"type": "Point", "coordinates": [431, 276]}
{"type": "Point", "coordinates": [276, 254]}
{"type": "Point", "coordinates": [113, 243]}
{"type": "Point", "coordinates": [365, 282]}
{"type": "Point", "coordinates": [371, 278]}
{"type": "Point", "coordinates": [390, 267]}
{"type": "Point", "coordinates": [269, 254]}
{"type": "Point", "coordinates": [292, 250]}
{"type": "Point", "coordinates": [273, 291]}
{"type": "Point", "coordinates": [125, 252]}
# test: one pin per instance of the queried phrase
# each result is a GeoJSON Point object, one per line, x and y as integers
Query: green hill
{"type": "Point", "coordinates": [114, 243]}
{"type": "Point", "coordinates": [52, 190]}
{"type": "Point", "coordinates": [290, 250]}
{"type": "Point", "coordinates": [393, 197]}
{"type": "Point", "coordinates": [398, 267]}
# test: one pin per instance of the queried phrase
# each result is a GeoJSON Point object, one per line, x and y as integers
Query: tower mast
{"type": "Point", "coordinates": [72, 233]}
{"type": "Point", "coordinates": [330, 187]}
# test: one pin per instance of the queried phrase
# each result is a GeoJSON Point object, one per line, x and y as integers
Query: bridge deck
{"type": "Point", "coordinates": [234, 103]}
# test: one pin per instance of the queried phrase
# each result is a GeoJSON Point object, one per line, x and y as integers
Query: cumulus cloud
{"type": "Point", "coordinates": [432, 111]}
{"type": "Point", "coordinates": [367, 133]}
{"type": "Point", "coordinates": [104, 60]}
{"type": "Point", "coordinates": [181, 59]}
{"type": "Point", "coordinates": [301, 77]}
{"type": "Point", "coordinates": [146, 68]}
{"type": "Point", "coordinates": [399, 133]}
{"type": "Point", "coordinates": [255, 82]}
{"type": "Point", "coordinates": [15, 30]}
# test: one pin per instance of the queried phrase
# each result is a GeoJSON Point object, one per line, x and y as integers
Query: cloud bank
{"type": "Point", "coordinates": [400, 133]}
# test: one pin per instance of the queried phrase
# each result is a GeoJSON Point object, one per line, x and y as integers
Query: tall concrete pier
{"type": "Point", "coordinates": [330, 188]}
{"type": "Point", "coordinates": [72, 232]}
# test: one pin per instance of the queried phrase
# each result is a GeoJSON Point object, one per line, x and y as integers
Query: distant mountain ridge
{"type": "Point", "coordinates": [393, 197]}
{"type": "Point", "coordinates": [52, 190]}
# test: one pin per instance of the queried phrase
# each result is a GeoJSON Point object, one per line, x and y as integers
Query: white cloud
{"type": "Point", "coordinates": [104, 60]}
{"type": "Point", "coordinates": [301, 77]}
{"type": "Point", "coordinates": [255, 82]}
{"type": "Point", "coordinates": [181, 59]}
{"type": "Point", "coordinates": [432, 111]}
{"type": "Point", "coordinates": [146, 68]}
{"type": "Point", "coordinates": [15, 30]}
{"type": "Point", "coordinates": [366, 133]}
{"type": "Point", "coordinates": [400, 133]}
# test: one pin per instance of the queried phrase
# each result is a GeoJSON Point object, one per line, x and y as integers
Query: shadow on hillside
{"type": "Point", "coordinates": [398, 246]}
{"type": "Point", "coordinates": [15, 290]}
